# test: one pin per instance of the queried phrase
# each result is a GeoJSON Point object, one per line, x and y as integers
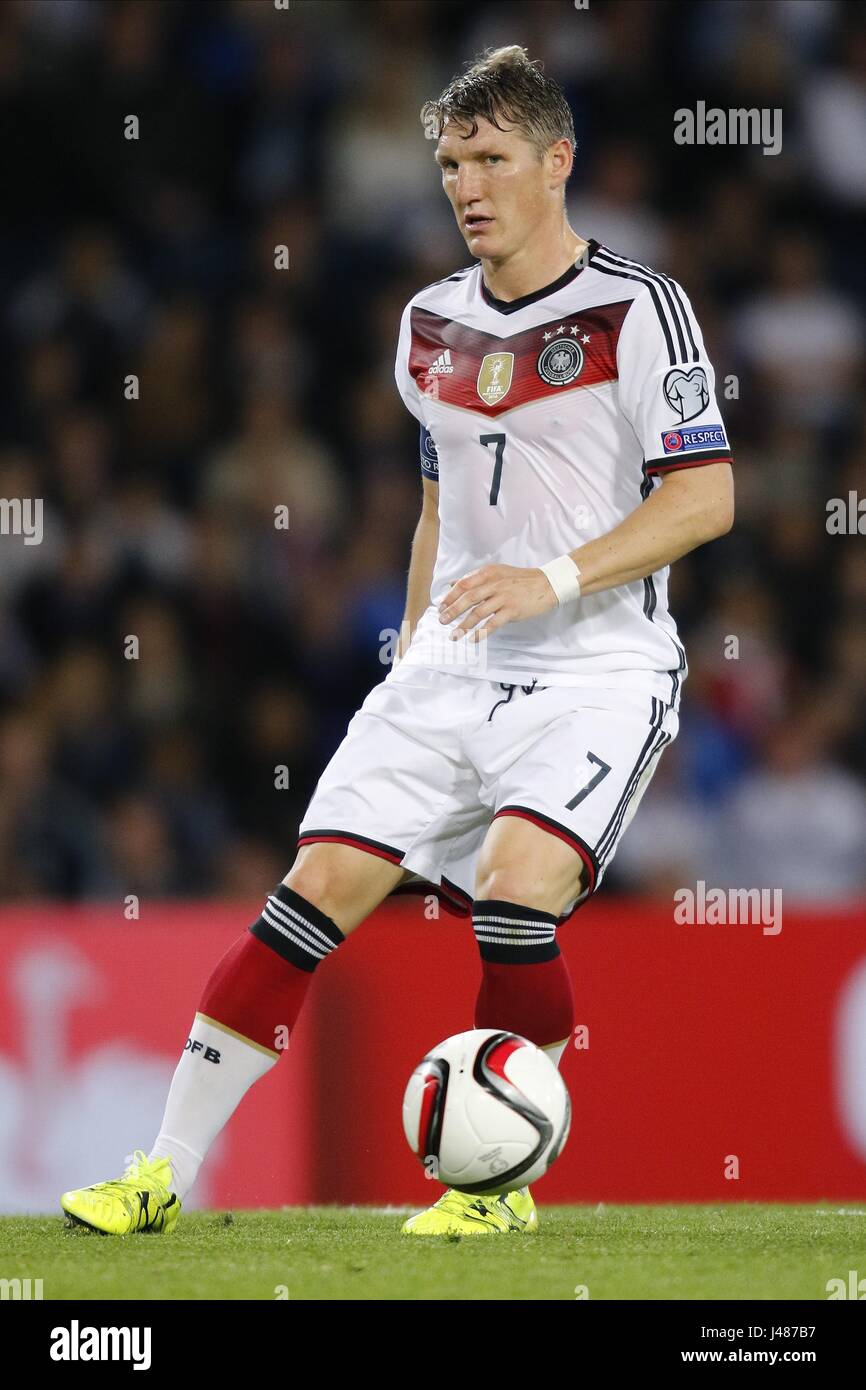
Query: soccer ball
{"type": "Point", "coordinates": [486, 1112]}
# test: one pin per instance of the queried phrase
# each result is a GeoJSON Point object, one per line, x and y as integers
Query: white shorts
{"type": "Point", "coordinates": [432, 757]}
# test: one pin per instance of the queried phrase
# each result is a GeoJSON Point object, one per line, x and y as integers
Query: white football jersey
{"type": "Point", "coordinates": [546, 421]}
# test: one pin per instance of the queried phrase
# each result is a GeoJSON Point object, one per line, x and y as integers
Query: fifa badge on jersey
{"type": "Point", "coordinates": [561, 362]}
{"type": "Point", "coordinates": [494, 376]}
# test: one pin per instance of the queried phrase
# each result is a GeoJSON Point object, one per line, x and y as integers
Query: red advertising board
{"type": "Point", "coordinates": [715, 1063]}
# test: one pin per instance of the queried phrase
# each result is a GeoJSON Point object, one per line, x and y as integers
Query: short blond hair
{"type": "Point", "coordinates": [504, 83]}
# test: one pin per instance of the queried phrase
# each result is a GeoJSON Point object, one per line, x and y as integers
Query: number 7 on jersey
{"type": "Point", "coordinates": [499, 441]}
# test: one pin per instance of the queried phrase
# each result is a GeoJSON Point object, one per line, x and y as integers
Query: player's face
{"type": "Point", "coordinates": [496, 184]}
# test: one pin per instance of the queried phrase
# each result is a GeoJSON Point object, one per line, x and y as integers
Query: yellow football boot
{"type": "Point", "coordinates": [141, 1200]}
{"type": "Point", "coordinates": [463, 1214]}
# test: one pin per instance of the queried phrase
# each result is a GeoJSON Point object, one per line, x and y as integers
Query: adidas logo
{"type": "Point", "coordinates": [442, 366]}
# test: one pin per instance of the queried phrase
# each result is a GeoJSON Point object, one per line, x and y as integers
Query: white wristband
{"type": "Point", "coordinates": [564, 578]}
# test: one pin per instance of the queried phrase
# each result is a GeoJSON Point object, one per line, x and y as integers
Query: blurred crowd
{"type": "Point", "coordinates": [262, 387]}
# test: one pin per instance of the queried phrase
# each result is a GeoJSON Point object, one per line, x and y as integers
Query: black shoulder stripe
{"type": "Point", "coordinates": [673, 289]}
{"type": "Point", "coordinates": [650, 278]}
{"type": "Point", "coordinates": [678, 312]}
{"type": "Point", "coordinates": [641, 280]}
{"type": "Point", "coordinates": [650, 275]}
{"type": "Point", "coordinates": [458, 275]}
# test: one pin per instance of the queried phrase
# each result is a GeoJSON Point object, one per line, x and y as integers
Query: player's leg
{"type": "Point", "coordinates": [565, 772]}
{"type": "Point", "coordinates": [524, 879]}
{"type": "Point", "coordinates": [245, 1016]}
{"type": "Point", "coordinates": [568, 769]}
{"type": "Point", "coordinates": [390, 779]}
{"type": "Point", "coordinates": [376, 791]}
{"type": "Point", "coordinates": [252, 1001]}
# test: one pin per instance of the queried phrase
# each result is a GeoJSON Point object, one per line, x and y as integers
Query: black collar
{"type": "Point", "coordinates": [509, 306]}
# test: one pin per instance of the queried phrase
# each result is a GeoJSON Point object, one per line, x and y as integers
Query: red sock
{"type": "Point", "coordinates": [525, 985]}
{"type": "Point", "coordinates": [261, 982]}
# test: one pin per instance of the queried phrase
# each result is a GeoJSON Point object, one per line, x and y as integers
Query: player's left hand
{"type": "Point", "coordinates": [493, 596]}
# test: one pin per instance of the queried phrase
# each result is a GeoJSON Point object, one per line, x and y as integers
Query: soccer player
{"type": "Point", "coordinates": [571, 449]}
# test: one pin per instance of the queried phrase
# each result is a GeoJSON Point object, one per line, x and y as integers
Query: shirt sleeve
{"type": "Point", "coordinates": [667, 383]}
{"type": "Point", "coordinates": [405, 382]}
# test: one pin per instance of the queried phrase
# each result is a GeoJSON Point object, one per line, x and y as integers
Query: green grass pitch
{"type": "Point", "coordinates": [746, 1251]}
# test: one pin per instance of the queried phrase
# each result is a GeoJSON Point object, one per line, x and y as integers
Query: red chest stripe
{"type": "Point", "coordinates": [586, 356]}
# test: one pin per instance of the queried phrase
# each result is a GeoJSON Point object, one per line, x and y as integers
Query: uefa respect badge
{"type": "Point", "coordinates": [684, 441]}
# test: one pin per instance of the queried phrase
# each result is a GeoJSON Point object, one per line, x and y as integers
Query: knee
{"type": "Point", "coordinates": [515, 883]}
{"type": "Point", "coordinates": [343, 882]}
{"type": "Point", "coordinates": [313, 877]}
{"type": "Point", "coordinates": [508, 885]}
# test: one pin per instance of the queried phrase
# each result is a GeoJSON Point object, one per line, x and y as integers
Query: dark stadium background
{"type": "Point", "coordinates": [260, 387]}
